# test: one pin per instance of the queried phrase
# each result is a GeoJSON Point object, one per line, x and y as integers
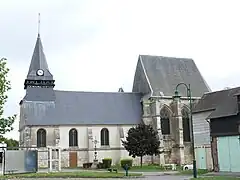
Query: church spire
{"type": "Point", "coordinates": [39, 74]}
{"type": "Point", "coordinates": [39, 25]}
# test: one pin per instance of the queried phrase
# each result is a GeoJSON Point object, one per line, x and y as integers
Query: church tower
{"type": "Point", "coordinates": [39, 74]}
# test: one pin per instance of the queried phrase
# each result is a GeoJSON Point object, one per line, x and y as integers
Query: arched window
{"type": "Point", "coordinates": [186, 125]}
{"type": "Point", "coordinates": [41, 138]}
{"type": "Point", "coordinates": [165, 122]}
{"type": "Point", "coordinates": [73, 137]}
{"type": "Point", "coordinates": [104, 137]}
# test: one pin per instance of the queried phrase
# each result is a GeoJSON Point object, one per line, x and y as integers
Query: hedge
{"type": "Point", "coordinates": [107, 162]}
{"type": "Point", "coordinates": [125, 162]}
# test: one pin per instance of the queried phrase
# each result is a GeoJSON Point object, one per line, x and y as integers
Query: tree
{"type": "Point", "coordinates": [142, 140]}
{"type": "Point", "coordinates": [11, 143]}
{"type": "Point", "coordinates": [5, 86]}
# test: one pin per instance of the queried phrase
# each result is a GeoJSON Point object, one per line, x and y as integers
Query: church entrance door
{"type": "Point", "coordinates": [72, 159]}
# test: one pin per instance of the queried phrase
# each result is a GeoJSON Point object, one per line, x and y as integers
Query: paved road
{"type": "Point", "coordinates": [167, 177]}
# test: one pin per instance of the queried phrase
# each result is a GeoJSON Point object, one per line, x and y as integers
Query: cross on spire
{"type": "Point", "coordinates": [39, 21]}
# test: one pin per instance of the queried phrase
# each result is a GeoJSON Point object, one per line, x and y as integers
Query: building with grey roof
{"type": "Point", "coordinates": [216, 125]}
{"type": "Point", "coordinates": [73, 119]}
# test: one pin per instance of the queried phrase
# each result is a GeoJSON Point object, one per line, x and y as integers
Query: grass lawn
{"type": "Point", "coordinates": [147, 168]}
{"type": "Point", "coordinates": [190, 172]}
{"type": "Point", "coordinates": [217, 178]}
{"type": "Point", "coordinates": [79, 174]}
{"type": "Point", "coordinates": [144, 168]}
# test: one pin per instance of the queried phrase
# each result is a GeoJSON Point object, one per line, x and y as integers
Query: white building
{"type": "Point", "coordinates": [73, 119]}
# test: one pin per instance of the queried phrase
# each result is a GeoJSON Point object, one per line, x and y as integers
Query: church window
{"type": "Point", "coordinates": [104, 137]}
{"type": "Point", "coordinates": [186, 125]}
{"type": "Point", "coordinates": [41, 138]}
{"type": "Point", "coordinates": [165, 122]}
{"type": "Point", "coordinates": [73, 138]}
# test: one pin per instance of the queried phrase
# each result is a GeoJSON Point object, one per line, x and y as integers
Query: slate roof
{"type": "Point", "coordinates": [164, 73]}
{"type": "Point", "coordinates": [46, 106]}
{"type": "Point", "coordinates": [223, 103]}
{"type": "Point", "coordinates": [39, 62]}
{"type": "Point", "coordinates": [40, 94]}
{"type": "Point", "coordinates": [89, 108]}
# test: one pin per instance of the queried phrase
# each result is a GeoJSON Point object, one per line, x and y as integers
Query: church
{"type": "Point", "coordinates": [73, 120]}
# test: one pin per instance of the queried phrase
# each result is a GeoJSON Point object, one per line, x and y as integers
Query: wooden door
{"type": "Point", "coordinates": [201, 158]}
{"type": "Point", "coordinates": [72, 159]}
{"type": "Point", "coordinates": [234, 149]}
{"type": "Point", "coordinates": [223, 154]}
{"type": "Point", "coordinates": [228, 153]}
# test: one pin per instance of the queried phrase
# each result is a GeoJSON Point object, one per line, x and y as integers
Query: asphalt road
{"type": "Point", "coordinates": [163, 177]}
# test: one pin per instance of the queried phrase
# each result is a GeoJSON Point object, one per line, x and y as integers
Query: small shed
{"type": "Point", "coordinates": [223, 116]}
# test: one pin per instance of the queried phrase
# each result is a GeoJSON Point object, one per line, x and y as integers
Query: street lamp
{"type": "Point", "coordinates": [177, 96]}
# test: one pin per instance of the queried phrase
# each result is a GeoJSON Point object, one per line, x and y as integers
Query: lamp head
{"type": "Point", "coordinates": [176, 96]}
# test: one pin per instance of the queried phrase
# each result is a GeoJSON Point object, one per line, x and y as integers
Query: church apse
{"type": "Point", "coordinates": [171, 119]}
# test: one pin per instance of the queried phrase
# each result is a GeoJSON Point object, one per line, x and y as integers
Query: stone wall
{"type": "Point", "coordinates": [65, 159]}
{"type": "Point", "coordinates": [83, 157]}
{"type": "Point", "coordinates": [188, 152]}
{"type": "Point", "coordinates": [172, 145]}
{"type": "Point", "coordinates": [168, 143]}
{"type": "Point", "coordinates": [146, 160]}
{"type": "Point", "coordinates": [171, 155]}
{"type": "Point", "coordinates": [43, 158]}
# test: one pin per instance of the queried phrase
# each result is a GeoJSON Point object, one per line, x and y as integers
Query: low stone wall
{"type": "Point", "coordinates": [65, 159]}
{"type": "Point", "coordinates": [83, 157]}
{"type": "Point", "coordinates": [43, 158]}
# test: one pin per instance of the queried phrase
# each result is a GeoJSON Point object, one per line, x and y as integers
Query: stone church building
{"type": "Point", "coordinates": [72, 120]}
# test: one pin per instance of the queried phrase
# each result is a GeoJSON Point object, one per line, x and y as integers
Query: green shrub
{"type": "Point", "coordinates": [87, 165]}
{"type": "Point", "coordinates": [100, 165]}
{"type": "Point", "coordinates": [107, 162]}
{"type": "Point", "coordinates": [124, 162]}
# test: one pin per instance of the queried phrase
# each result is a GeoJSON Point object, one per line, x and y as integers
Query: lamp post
{"type": "Point", "coordinates": [191, 121]}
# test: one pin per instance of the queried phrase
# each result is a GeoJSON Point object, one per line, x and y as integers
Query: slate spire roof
{"type": "Point", "coordinates": [159, 76]}
{"type": "Point", "coordinates": [39, 62]}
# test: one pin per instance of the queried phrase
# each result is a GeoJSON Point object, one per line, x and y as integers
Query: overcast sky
{"type": "Point", "coordinates": [94, 45]}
